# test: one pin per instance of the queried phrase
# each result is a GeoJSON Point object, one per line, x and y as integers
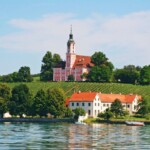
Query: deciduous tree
{"type": "Point", "coordinates": [145, 75]}
{"type": "Point", "coordinates": [117, 108]}
{"type": "Point", "coordinates": [40, 106]}
{"type": "Point", "coordinates": [24, 74]}
{"type": "Point", "coordinates": [4, 98]}
{"type": "Point", "coordinates": [49, 61]}
{"type": "Point", "coordinates": [102, 69]}
{"type": "Point", "coordinates": [78, 112]}
{"type": "Point", "coordinates": [20, 101]}
{"type": "Point", "coordinates": [56, 102]}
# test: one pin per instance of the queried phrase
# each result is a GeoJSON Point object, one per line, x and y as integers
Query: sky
{"type": "Point", "coordinates": [29, 28]}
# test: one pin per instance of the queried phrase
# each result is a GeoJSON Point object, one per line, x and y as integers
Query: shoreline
{"type": "Point", "coordinates": [63, 120]}
{"type": "Point", "coordinates": [37, 120]}
{"type": "Point", "coordinates": [147, 122]}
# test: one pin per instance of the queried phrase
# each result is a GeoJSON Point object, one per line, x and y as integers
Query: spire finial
{"type": "Point", "coordinates": [71, 29]}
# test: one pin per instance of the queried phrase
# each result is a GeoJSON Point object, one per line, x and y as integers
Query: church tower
{"type": "Point", "coordinates": [70, 55]}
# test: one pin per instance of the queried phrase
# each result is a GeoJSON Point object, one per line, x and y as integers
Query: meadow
{"type": "Point", "coordinates": [70, 87]}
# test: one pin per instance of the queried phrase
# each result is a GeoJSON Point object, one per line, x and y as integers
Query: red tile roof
{"type": "Point", "coordinates": [83, 96]}
{"type": "Point", "coordinates": [67, 101]}
{"type": "Point", "coordinates": [82, 61]}
{"type": "Point", "coordinates": [109, 98]}
{"type": "Point", "coordinates": [105, 98]}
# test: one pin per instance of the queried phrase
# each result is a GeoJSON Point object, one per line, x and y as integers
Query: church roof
{"type": "Point", "coordinates": [82, 61]}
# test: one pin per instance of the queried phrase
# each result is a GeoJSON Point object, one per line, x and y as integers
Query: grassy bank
{"type": "Point", "coordinates": [70, 87]}
{"type": "Point", "coordinates": [117, 120]}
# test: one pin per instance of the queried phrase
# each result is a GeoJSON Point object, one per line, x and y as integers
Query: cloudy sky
{"type": "Point", "coordinates": [30, 28]}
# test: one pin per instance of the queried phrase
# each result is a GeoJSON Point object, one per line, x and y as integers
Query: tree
{"type": "Point", "coordinates": [102, 70]}
{"type": "Point", "coordinates": [84, 76]}
{"type": "Point", "coordinates": [56, 59]}
{"type": "Point", "coordinates": [144, 107]}
{"type": "Point", "coordinates": [68, 112]}
{"type": "Point", "coordinates": [39, 105]}
{"type": "Point", "coordinates": [3, 107]}
{"type": "Point", "coordinates": [71, 78]}
{"type": "Point", "coordinates": [20, 101]}
{"type": "Point", "coordinates": [49, 62]}
{"type": "Point", "coordinates": [56, 102]}
{"type": "Point", "coordinates": [117, 108]}
{"type": "Point", "coordinates": [4, 98]}
{"type": "Point", "coordinates": [5, 92]}
{"type": "Point", "coordinates": [99, 58]}
{"type": "Point", "coordinates": [24, 74]}
{"type": "Point", "coordinates": [129, 74]}
{"type": "Point", "coordinates": [145, 75]}
{"type": "Point", "coordinates": [100, 74]}
{"type": "Point", "coordinates": [106, 115]}
{"type": "Point", "coordinates": [78, 112]}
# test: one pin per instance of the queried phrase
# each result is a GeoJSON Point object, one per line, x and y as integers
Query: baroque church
{"type": "Point", "coordinates": [74, 65]}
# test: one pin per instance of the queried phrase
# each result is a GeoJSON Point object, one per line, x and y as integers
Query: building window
{"type": "Point", "coordinates": [89, 104]}
{"type": "Point", "coordinates": [135, 107]}
{"type": "Point", "coordinates": [95, 112]}
{"type": "Point", "coordinates": [98, 104]}
{"type": "Point", "coordinates": [89, 112]}
{"type": "Point", "coordinates": [128, 106]}
{"type": "Point", "coordinates": [95, 104]}
{"type": "Point", "coordinates": [82, 104]}
{"type": "Point", "coordinates": [72, 104]}
{"type": "Point", "coordinates": [77, 104]}
{"type": "Point", "coordinates": [107, 105]}
{"type": "Point", "coordinates": [104, 105]}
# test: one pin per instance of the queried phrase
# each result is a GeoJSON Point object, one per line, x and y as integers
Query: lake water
{"type": "Point", "coordinates": [70, 136]}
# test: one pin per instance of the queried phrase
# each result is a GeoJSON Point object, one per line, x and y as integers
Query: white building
{"type": "Point", "coordinates": [94, 103]}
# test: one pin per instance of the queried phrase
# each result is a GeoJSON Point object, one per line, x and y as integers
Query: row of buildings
{"type": "Point", "coordinates": [94, 103]}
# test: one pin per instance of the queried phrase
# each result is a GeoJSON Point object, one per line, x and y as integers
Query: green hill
{"type": "Point", "coordinates": [70, 87]}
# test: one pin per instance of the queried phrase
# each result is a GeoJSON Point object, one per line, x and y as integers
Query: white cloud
{"type": "Point", "coordinates": [124, 39]}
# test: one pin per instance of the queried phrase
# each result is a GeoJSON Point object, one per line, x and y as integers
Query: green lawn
{"type": "Point", "coordinates": [70, 87]}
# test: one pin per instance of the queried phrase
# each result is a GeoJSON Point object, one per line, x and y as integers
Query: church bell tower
{"type": "Point", "coordinates": [70, 55]}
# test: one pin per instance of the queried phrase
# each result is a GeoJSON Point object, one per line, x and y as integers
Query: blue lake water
{"type": "Point", "coordinates": [70, 136]}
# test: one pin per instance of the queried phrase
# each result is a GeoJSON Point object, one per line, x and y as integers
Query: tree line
{"type": "Point", "coordinates": [102, 71]}
{"type": "Point", "coordinates": [20, 101]}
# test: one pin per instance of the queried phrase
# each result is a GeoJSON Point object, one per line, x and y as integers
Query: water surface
{"type": "Point", "coordinates": [70, 136]}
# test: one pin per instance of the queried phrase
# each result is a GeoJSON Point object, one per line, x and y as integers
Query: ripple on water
{"type": "Point", "coordinates": [71, 136]}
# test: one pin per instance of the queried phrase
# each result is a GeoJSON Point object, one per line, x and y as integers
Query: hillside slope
{"type": "Point", "coordinates": [70, 87]}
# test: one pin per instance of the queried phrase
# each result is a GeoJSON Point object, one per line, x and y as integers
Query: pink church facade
{"type": "Point", "coordinates": [74, 65]}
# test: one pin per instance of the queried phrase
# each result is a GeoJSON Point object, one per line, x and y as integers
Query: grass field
{"type": "Point", "coordinates": [70, 87]}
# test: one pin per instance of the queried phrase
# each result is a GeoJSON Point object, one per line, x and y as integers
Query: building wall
{"type": "Point", "coordinates": [91, 108]}
{"type": "Point", "coordinates": [96, 106]}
